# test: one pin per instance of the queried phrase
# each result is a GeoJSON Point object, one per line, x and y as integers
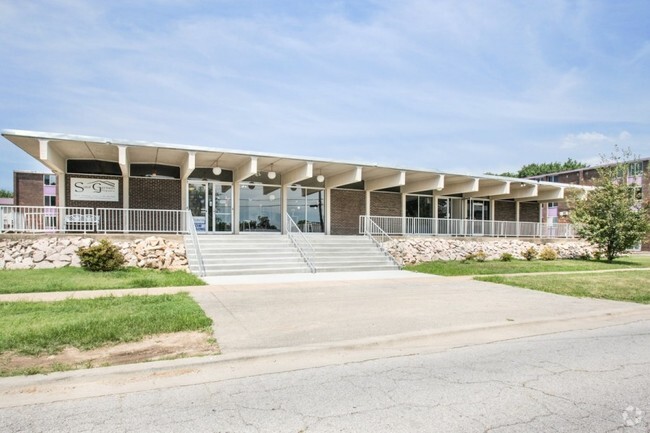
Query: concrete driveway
{"type": "Point", "coordinates": [382, 307]}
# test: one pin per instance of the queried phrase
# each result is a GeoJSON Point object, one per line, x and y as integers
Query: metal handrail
{"type": "Point", "coordinates": [368, 223]}
{"type": "Point", "coordinates": [290, 225]}
{"type": "Point", "coordinates": [195, 241]}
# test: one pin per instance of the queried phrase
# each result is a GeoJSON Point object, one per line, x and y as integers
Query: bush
{"type": "Point", "coordinates": [101, 257]}
{"type": "Point", "coordinates": [468, 258]}
{"type": "Point", "coordinates": [480, 256]}
{"type": "Point", "coordinates": [548, 253]}
{"type": "Point", "coordinates": [598, 255]}
{"type": "Point", "coordinates": [529, 254]}
{"type": "Point", "coordinates": [506, 257]}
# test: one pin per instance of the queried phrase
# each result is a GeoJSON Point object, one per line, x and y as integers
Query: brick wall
{"type": "Point", "coordinates": [385, 204]}
{"type": "Point", "coordinates": [94, 204]}
{"type": "Point", "coordinates": [28, 189]}
{"type": "Point", "coordinates": [148, 193]}
{"type": "Point", "coordinates": [346, 206]}
{"type": "Point", "coordinates": [505, 211]}
{"type": "Point", "coordinates": [529, 212]}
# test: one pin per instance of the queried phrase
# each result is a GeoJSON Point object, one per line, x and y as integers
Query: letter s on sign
{"type": "Point", "coordinates": [78, 186]}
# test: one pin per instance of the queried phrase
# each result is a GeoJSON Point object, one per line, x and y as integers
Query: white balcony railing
{"type": "Point", "coordinates": [44, 219]}
{"type": "Point", "coordinates": [402, 226]}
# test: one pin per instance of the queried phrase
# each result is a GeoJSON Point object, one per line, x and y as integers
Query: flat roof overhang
{"type": "Point", "coordinates": [54, 150]}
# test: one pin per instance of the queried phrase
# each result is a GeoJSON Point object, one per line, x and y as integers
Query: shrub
{"type": "Point", "coordinates": [598, 255]}
{"type": "Point", "coordinates": [548, 253]}
{"type": "Point", "coordinates": [529, 254]}
{"type": "Point", "coordinates": [506, 257]}
{"type": "Point", "coordinates": [468, 258]}
{"type": "Point", "coordinates": [480, 256]}
{"type": "Point", "coordinates": [101, 257]}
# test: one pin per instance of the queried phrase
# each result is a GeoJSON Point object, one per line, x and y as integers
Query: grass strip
{"type": "Point", "coordinates": [74, 278]}
{"type": "Point", "coordinates": [632, 286]}
{"type": "Point", "coordinates": [34, 328]}
{"type": "Point", "coordinates": [456, 268]}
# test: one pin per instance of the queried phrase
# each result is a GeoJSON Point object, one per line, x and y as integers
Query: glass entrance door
{"type": "Point", "coordinates": [211, 206]}
{"type": "Point", "coordinates": [479, 213]}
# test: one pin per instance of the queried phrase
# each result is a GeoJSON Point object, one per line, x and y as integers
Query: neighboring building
{"type": "Point", "coordinates": [34, 189]}
{"type": "Point", "coordinates": [637, 176]}
{"type": "Point", "coordinates": [120, 183]}
{"type": "Point", "coordinates": [6, 201]}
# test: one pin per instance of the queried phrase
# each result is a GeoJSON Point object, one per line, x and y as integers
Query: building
{"type": "Point", "coordinates": [34, 189]}
{"type": "Point", "coordinates": [637, 177]}
{"type": "Point", "coordinates": [112, 185]}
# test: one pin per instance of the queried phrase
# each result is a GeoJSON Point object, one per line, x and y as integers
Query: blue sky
{"type": "Point", "coordinates": [460, 86]}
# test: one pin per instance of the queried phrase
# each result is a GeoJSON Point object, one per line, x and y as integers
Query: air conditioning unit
{"type": "Point", "coordinates": [564, 213]}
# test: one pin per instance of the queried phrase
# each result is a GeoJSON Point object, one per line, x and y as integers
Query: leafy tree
{"type": "Point", "coordinates": [5, 193]}
{"type": "Point", "coordinates": [535, 169]}
{"type": "Point", "coordinates": [611, 216]}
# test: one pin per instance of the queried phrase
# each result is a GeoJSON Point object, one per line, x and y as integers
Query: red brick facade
{"type": "Point", "coordinates": [346, 206]}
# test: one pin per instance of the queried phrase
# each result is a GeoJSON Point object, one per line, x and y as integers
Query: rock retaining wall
{"type": "Point", "coordinates": [410, 251]}
{"type": "Point", "coordinates": [56, 252]}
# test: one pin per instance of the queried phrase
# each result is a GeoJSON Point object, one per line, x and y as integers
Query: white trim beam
{"type": "Point", "coordinates": [436, 183]}
{"type": "Point", "coordinates": [188, 165]}
{"type": "Point", "coordinates": [471, 185]}
{"type": "Point", "coordinates": [553, 195]}
{"type": "Point", "coordinates": [50, 157]}
{"type": "Point", "coordinates": [489, 191]}
{"type": "Point", "coordinates": [352, 176]}
{"type": "Point", "coordinates": [123, 160]}
{"type": "Point", "coordinates": [248, 169]}
{"type": "Point", "coordinates": [390, 181]}
{"type": "Point", "coordinates": [298, 174]}
{"type": "Point", "coordinates": [528, 191]}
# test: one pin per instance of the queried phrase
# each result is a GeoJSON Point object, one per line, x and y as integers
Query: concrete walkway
{"type": "Point", "coordinates": [266, 325]}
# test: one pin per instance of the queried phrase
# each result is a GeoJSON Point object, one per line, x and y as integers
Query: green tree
{"type": "Point", "coordinates": [5, 193]}
{"type": "Point", "coordinates": [537, 169]}
{"type": "Point", "coordinates": [611, 216]}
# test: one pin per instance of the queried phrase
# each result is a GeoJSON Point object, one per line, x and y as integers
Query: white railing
{"type": "Point", "coordinates": [141, 220]}
{"type": "Point", "coordinates": [191, 229]}
{"type": "Point", "coordinates": [47, 219]}
{"type": "Point", "coordinates": [403, 226]}
{"type": "Point", "coordinates": [378, 236]}
{"type": "Point", "coordinates": [51, 219]}
{"type": "Point", "coordinates": [302, 244]}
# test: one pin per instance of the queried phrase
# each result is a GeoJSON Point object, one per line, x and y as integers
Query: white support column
{"type": "Point", "coordinates": [235, 204]}
{"type": "Point", "coordinates": [328, 211]}
{"type": "Point", "coordinates": [367, 203]}
{"type": "Point", "coordinates": [125, 203]}
{"type": "Point", "coordinates": [283, 208]}
{"type": "Point", "coordinates": [517, 217]}
{"type": "Point", "coordinates": [435, 214]}
{"type": "Point", "coordinates": [403, 214]}
{"type": "Point", "coordinates": [492, 214]}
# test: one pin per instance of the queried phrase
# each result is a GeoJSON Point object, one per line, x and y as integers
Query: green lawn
{"type": "Point", "coordinates": [73, 278]}
{"type": "Point", "coordinates": [35, 328]}
{"type": "Point", "coordinates": [454, 268]}
{"type": "Point", "coordinates": [633, 286]}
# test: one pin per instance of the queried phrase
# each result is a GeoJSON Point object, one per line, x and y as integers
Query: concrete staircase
{"type": "Point", "coordinates": [250, 254]}
{"type": "Point", "coordinates": [348, 254]}
{"type": "Point", "coordinates": [246, 254]}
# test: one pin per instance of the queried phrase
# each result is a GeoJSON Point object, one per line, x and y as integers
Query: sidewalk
{"type": "Point", "coordinates": [265, 327]}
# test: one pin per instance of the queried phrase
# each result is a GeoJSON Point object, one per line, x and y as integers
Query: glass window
{"type": "Point", "coordinates": [636, 168]}
{"type": "Point", "coordinates": [412, 206]}
{"type": "Point", "coordinates": [306, 206]}
{"type": "Point", "coordinates": [49, 200]}
{"type": "Point", "coordinates": [259, 207]}
{"type": "Point", "coordinates": [49, 179]}
{"type": "Point", "coordinates": [419, 206]}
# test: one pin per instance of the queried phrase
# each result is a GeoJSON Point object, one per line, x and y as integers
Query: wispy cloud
{"type": "Point", "coordinates": [358, 79]}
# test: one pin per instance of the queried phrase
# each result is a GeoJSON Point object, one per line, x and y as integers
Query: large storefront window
{"type": "Point", "coordinates": [260, 208]}
{"type": "Point", "coordinates": [419, 206]}
{"type": "Point", "coordinates": [306, 206]}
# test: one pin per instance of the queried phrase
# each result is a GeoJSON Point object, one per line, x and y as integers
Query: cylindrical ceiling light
{"type": "Point", "coordinates": [271, 173]}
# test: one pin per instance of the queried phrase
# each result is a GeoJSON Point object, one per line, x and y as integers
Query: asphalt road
{"type": "Point", "coordinates": [578, 381]}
